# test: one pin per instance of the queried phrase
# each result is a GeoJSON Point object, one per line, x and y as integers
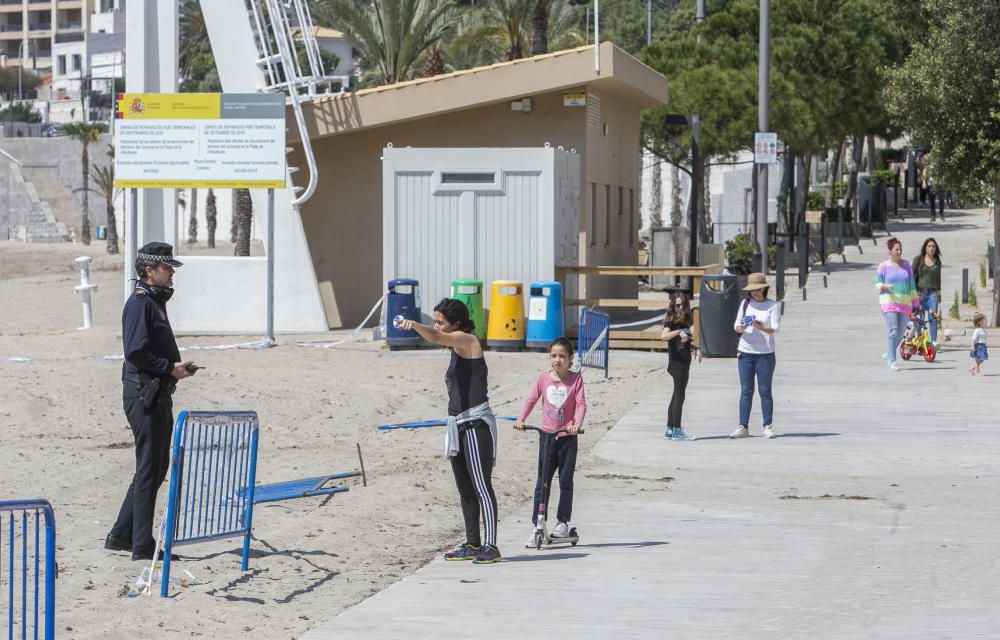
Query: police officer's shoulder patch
{"type": "Point", "coordinates": [140, 292]}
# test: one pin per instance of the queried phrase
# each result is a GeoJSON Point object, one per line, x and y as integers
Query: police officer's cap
{"type": "Point", "coordinates": [158, 252]}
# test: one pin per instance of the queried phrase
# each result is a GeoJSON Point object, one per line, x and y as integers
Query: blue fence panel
{"type": "Point", "coordinates": [213, 466]}
{"type": "Point", "coordinates": [28, 568]}
{"type": "Point", "coordinates": [593, 338]}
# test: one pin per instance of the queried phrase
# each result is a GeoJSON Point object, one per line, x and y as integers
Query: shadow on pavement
{"type": "Point", "coordinates": [634, 545]}
{"type": "Point", "coordinates": [779, 435]}
{"type": "Point", "coordinates": [545, 556]}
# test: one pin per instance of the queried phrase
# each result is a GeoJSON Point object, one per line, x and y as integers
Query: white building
{"type": "Point", "coordinates": [90, 64]}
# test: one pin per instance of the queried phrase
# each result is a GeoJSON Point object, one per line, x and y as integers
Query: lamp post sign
{"type": "Point", "coordinates": [193, 140]}
{"type": "Point", "coordinates": [765, 148]}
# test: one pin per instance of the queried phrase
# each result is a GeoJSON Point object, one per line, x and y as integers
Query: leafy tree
{"type": "Point", "coordinates": [391, 36]}
{"type": "Point", "coordinates": [29, 81]}
{"type": "Point", "coordinates": [23, 112]}
{"type": "Point", "coordinates": [87, 133]}
{"type": "Point", "coordinates": [946, 94]}
{"type": "Point", "coordinates": [104, 180]}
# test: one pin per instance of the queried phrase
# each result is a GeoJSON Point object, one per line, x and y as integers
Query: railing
{"type": "Point", "coordinates": [278, 45]}
{"type": "Point", "coordinates": [593, 339]}
{"type": "Point", "coordinates": [212, 469]}
{"type": "Point", "coordinates": [23, 568]}
{"type": "Point", "coordinates": [11, 27]}
{"type": "Point", "coordinates": [40, 26]}
{"type": "Point", "coordinates": [70, 25]}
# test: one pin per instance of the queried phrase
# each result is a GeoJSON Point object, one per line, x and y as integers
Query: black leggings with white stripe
{"type": "Point", "coordinates": [473, 468]}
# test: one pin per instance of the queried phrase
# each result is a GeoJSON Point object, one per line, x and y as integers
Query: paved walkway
{"type": "Point", "coordinates": [873, 515]}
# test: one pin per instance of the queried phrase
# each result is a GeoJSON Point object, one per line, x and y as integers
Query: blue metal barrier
{"type": "Point", "coordinates": [593, 337]}
{"type": "Point", "coordinates": [213, 465]}
{"type": "Point", "coordinates": [24, 567]}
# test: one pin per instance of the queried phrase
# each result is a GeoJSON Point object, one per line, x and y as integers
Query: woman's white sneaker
{"type": "Point", "coordinates": [740, 432]}
{"type": "Point", "coordinates": [769, 432]}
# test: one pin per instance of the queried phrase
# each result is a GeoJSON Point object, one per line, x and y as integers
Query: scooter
{"type": "Point", "coordinates": [542, 535]}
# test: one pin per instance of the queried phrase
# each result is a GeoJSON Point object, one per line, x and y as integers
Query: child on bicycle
{"type": "Point", "coordinates": [563, 407]}
{"type": "Point", "coordinates": [978, 351]}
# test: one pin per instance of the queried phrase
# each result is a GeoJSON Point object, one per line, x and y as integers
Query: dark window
{"type": "Point", "coordinates": [593, 214]}
{"type": "Point", "coordinates": [607, 214]}
{"type": "Point", "coordinates": [468, 178]}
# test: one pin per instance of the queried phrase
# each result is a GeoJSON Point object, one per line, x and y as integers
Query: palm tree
{"type": "Point", "coordinates": [540, 27]}
{"type": "Point", "coordinates": [210, 217]}
{"type": "Point", "coordinates": [104, 180]}
{"type": "Point", "coordinates": [391, 36]}
{"type": "Point", "coordinates": [513, 17]}
{"type": "Point", "coordinates": [193, 222]}
{"type": "Point", "coordinates": [234, 220]}
{"type": "Point", "coordinates": [193, 36]}
{"type": "Point", "coordinates": [244, 220]}
{"type": "Point", "coordinates": [87, 133]}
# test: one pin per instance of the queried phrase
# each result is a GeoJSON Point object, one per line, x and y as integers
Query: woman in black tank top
{"type": "Point", "coordinates": [473, 455]}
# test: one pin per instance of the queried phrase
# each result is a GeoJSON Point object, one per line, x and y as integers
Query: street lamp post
{"type": "Point", "coordinates": [763, 106]}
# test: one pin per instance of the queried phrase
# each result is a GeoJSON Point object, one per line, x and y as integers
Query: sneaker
{"type": "Point", "coordinates": [464, 551]}
{"type": "Point", "coordinates": [561, 530]}
{"type": "Point", "coordinates": [530, 542]}
{"type": "Point", "coordinates": [680, 435]}
{"type": "Point", "coordinates": [740, 432]}
{"type": "Point", "coordinates": [893, 367]}
{"type": "Point", "coordinates": [489, 555]}
{"type": "Point", "coordinates": [769, 432]}
{"type": "Point", "coordinates": [668, 433]}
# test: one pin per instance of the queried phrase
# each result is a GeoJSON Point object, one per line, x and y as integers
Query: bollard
{"type": "Point", "coordinates": [84, 288]}
{"type": "Point", "coordinates": [779, 269]}
{"type": "Point", "coordinates": [895, 195]}
{"type": "Point", "coordinates": [840, 228]}
{"type": "Point", "coordinates": [822, 238]}
{"type": "Point", "coordinates": [804, 255]}
{"type": "Point", "coordinates": [965, 286]}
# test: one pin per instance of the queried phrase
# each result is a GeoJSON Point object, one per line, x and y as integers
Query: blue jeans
{"type": "Point", "coordinates": [761, 366]}
{"type": "Point", "coordinates": [929, 301]}
{"type": "Point", "coordinates": [895, 322]}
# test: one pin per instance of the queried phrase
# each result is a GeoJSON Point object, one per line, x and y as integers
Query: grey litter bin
{"type": "Point", "coordinates": [720, 301]}
{"type": "Point", "coordinates": [871, 200]}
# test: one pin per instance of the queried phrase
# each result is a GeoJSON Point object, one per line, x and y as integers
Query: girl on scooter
{"type": "Point", "coordinates": [563, 407]}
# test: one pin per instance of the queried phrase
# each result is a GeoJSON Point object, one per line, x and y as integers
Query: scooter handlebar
{"type": "Point", "coordinates": [531, 427]}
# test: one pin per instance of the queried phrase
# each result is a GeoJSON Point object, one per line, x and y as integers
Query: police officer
{"type": "Point", "coordinates": [152, 368]}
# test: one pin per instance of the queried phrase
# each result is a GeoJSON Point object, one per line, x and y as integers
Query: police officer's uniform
{"type": "Point", "coordinates": [150, 353]}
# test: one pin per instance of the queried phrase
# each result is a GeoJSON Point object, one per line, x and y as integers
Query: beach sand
{"type": "Point", "coordinates": [65, 439]}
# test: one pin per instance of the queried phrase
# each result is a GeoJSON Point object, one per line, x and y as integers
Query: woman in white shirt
{"type": "Point", "coordinates": [758, 319]}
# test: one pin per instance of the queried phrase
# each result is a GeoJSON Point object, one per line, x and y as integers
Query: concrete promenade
{"type": "Point", "coordinates": [874, 514]}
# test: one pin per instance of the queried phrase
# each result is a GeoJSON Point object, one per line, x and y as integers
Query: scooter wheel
{"type": "Point", "coordinates": [538, 540]}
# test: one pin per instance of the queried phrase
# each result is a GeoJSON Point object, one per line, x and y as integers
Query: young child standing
{"type": "Point", "coordinates": [563, 407]}
{"type": "Point", "coordinates": [978, 344]}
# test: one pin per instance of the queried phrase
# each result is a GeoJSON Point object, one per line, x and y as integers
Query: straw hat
{"type": "Point", "coordinates": [756, 281]}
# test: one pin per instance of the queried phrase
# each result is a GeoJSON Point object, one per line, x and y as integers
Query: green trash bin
{"type": "Point", "coordinates": [471, 293]}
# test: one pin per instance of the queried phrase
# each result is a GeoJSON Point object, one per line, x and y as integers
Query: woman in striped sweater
{"type": "Point", "coordinates": [897, 295]}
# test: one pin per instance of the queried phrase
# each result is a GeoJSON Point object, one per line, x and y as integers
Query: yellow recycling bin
{"type": "Point", "coordinates": [505, 327]}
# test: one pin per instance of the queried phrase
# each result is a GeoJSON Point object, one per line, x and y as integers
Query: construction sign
{"type": "Point", "coordinates": [196, 140]}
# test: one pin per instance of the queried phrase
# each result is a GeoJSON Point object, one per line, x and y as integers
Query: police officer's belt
{"type": "Point", "coordinates": [165, 386]}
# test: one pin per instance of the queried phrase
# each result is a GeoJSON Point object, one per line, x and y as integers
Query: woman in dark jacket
{"type": "Point", "coordinates": [677, 333]}
{"type": "Point", "coordinates": [927, 273]}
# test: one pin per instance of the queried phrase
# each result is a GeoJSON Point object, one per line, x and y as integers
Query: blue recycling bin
{"type": "Point", "coordinates": [402, 300]}
{"type": "Point", "coordinates": [545, 314]}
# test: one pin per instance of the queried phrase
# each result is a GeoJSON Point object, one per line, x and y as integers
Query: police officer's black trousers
{"type": "Point", "coordinates": [152, 429]}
